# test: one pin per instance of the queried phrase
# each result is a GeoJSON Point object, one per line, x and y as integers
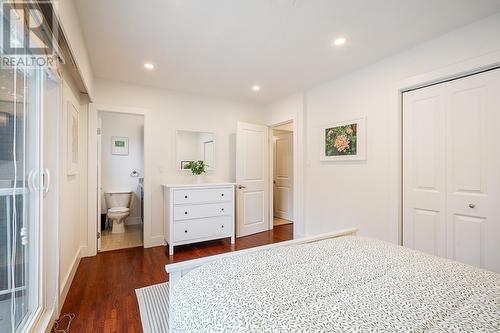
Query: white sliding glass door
{"type": "Point", "coordinates": [20, 196]}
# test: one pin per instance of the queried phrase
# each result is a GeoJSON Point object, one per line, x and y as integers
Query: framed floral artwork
{"type": "Point", "coordinates": [344, 141]}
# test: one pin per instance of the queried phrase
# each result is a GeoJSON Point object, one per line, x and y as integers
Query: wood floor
{"type": "Point", "coordinates": [102, 295]}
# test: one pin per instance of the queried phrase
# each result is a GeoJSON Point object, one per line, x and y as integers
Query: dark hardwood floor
{"type": "Point", "coordinates": [102, 295]}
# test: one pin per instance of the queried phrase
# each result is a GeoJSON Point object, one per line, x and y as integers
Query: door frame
{"type": "Point", "coordinates": [92, 228]}
{"type": "Point", "coordinates": [271, 171]}
{"type": "Point", "coordinates": [298, 227]}
{"type": "Point", "coordinates": [452, 72]}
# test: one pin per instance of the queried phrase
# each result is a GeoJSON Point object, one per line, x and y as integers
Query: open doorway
{"type": "Point", "coordinates": [282, 174]}
{"type": "Point", "coordinates": [120, 159]}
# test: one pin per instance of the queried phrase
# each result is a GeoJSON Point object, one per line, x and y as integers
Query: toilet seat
{"type": "Point", "coordinates": [119, 210]}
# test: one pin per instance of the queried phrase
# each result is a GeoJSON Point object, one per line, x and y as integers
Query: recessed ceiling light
{"type": "Point", "coordinates": [149, 66]}
{"type": "Point", "coordinates": [255, 88]}
{"type": "Point", "coordinates": [339, 41]}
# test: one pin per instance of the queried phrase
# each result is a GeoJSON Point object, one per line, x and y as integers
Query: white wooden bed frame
{"type": "Point", "coordinates": [178, 270]}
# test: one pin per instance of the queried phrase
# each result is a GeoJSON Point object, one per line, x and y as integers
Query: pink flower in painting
{"type": "Point", "coordinates": [341, 142]}
{"type": "Point", "coordinates": [349, 130]}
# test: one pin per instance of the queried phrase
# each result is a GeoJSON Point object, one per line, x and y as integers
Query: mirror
{"type": "Point", "coordinates": [195, 146]}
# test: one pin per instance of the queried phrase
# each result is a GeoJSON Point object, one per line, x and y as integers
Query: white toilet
{"type": "Point", "coordinates": [119, 204]}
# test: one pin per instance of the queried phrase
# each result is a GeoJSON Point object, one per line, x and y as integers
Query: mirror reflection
{"type": "Point", "coordinates": [195, 146]}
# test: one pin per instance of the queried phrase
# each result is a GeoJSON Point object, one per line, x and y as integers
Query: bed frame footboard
{"type": "Point", "coordinates": [178, 270]}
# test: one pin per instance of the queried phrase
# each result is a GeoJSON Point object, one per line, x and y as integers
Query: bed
{"type": "Point", "coordinates": [335, 282]}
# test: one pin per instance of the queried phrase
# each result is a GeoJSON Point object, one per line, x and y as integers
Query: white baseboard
{"type": "Point", "coordinates": [68, 279]}
{"type": "Point", "coordinates": [154, 241]}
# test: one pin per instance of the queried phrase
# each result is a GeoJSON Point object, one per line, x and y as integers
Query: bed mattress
{"type": "Point", "coordinates": [346, 284]}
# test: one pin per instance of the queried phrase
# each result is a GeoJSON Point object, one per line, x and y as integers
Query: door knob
{"type": "Point", "coordinates": [472, 205]}
{"type": "Point", "coordinates": [241, 187]}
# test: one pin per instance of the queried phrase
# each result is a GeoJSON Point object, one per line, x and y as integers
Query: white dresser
{"type": "Point", "coordinates": [198, 212]}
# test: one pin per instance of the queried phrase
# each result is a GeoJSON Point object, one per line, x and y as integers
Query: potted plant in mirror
{"type": "Point", "coordinates": [198, 168]}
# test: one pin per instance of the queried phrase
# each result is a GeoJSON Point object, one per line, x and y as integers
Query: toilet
{"type": "Point", "coordinates": [119, 204]}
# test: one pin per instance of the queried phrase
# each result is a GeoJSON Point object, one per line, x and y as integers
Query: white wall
{"type": "Point", "coordinates": [365, 194]}
{"type": "Point", "coordinates": [73, 190]}
{"type": "Point", "coordinates": [116, 169]}
{"type": "Point", "coordinates": [170, 112]}
{"type": "Point", "coordinates": [66, 11]}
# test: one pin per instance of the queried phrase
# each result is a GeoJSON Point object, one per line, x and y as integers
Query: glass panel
{"type": "Point", "coordinates": [20, 165]}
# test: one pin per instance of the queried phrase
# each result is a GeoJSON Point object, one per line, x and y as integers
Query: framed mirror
{"type": "Point", "coordinates": [195, 146]}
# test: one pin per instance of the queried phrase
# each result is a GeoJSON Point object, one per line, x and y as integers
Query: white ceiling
{"type": "Point", "coordinates": [221, 48]}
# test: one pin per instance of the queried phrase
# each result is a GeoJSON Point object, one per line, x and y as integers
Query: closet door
{"type": "Point", "coordinates": [424, 170]}
{"type": "Point", "coordinates": [473, 170]}
{"type": "Point", "coordinates": [451, 170]}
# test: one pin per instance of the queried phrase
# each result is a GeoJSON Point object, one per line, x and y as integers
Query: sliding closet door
{"type": "Point", "coordinates": [424, 170]}
{"type": "Point", "coordinates": [452, 170]}
{"type": "Point", "coordinates": [473, 170]}
{"type": "Point", "coordinates": [20, 196]}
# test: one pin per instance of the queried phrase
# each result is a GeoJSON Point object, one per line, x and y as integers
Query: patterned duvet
{"type": "Point", "coordinates": [347, 284]}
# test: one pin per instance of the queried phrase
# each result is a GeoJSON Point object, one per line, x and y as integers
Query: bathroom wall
{"type": "Point", "coordinates": [116, 169]}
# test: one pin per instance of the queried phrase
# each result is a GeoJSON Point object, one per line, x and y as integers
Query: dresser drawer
{"type": "Point", "coordinates": [205, 195]}
{"type": "Point", "coordinates": [187, 212]}
{"type": "Point", "coordinates": [203, 228]}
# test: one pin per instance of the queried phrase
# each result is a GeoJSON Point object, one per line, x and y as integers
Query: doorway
{"type": "Point", "coordinates": [120, 177]}
{"type": "Point", "coordinates": [282, 174]}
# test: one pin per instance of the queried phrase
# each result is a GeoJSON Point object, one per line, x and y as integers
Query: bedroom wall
{"type": "Point", "coordinates": [116, 169]}
{"type": "Point", "coordinates": [365, 194]}
{"type": "Point", "coordinates": [176, 111]}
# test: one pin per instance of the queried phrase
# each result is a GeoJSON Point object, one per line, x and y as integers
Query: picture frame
{"type": "Point", "coordinates": [344, 141]}
{"type": "Point", "coordinates": [119, 145]}
{"type": "Point", "coordinates": [72, 140]}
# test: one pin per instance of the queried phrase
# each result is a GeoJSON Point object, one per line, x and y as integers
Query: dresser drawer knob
{"type": "Point", "coordinates": [222, 209]}
{"type": "Point", "coordinates": [185, 197]}
{"type": "Point", "coordinates": [222, 194]}
{"type": "Point", "coordinates": [185, 231]}
{"type": "Point", "coordinates": [185, 213]}
{"type": "Point", "coordinates": [222, 226]}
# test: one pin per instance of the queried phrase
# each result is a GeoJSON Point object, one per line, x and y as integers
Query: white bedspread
{"type": "Point", "coordinates": [347, 284]}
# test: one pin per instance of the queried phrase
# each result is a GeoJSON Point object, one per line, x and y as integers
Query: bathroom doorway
{"type": "Point", "coordinates": [282, 174]}
{"type": "Point", "coordinates": [120, 180]}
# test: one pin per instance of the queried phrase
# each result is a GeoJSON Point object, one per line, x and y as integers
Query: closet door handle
{"type": "Point", "coordinates": [240, 187]}
{"type": "Point", "coordinates": [471, 205]}
{"type": "Point", "coordinates": [46, 181]}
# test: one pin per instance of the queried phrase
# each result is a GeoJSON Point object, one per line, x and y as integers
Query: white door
{"type": "Point", "coordinates": [452, 178]}
{"type": "Point", "coordinates": [252, 177]}
{"type": "Point", "coordinates": [283, 175]}
{"type": "Point", "coordinates": [424, 170]}
{"type": "Point", "coordinates": [473, 170]}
